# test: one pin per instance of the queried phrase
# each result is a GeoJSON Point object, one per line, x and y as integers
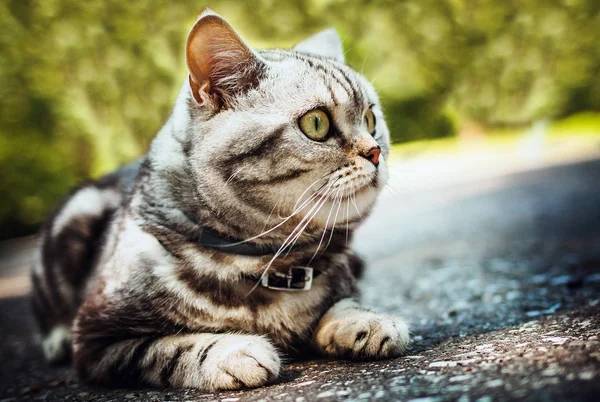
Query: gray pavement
{"type": "Point", "coordinates": [500, 279]}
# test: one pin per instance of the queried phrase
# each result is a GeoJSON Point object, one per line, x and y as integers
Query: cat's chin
{"type": "Point", "coordinates": [352, 209]}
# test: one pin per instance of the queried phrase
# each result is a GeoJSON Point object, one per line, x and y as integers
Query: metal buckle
{"type": "Point", "coordinates": [296, 279]}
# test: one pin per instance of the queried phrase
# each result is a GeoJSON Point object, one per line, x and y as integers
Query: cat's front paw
{"type": "Point", "coordinates": [240, 361]}
{"type": "Point", "coordinates": [361, 334]}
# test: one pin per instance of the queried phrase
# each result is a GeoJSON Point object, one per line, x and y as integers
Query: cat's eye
{"type": "Point", "coordinates": [315, 124]}
{"type": "Point", "coordinates": [369, 121]}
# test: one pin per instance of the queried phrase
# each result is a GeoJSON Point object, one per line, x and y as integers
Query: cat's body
{"type": "Point", "coordinates": [123, 266]}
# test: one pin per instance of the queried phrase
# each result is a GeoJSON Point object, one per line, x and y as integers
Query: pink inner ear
{"type": "Point", "coordinates": [219, 62]}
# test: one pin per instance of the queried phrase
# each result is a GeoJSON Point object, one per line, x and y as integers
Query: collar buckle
{"type": "Point", "coordinates": [296, 279]}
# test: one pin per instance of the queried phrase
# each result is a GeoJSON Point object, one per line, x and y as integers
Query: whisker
{"type": "Point", "coordinates": [311, 198]}
{"type": "Point", "coordinates": [356, 206]}
{"type": "Point", "coordinates": [308, 188]}
{"type": "Point", "coordinates": [233, 175]}
{"type": "Point", "coordinates": [362, 69]}
{"type": "Point", "coordinates": [297, 232]}
{"type": "Point", "coordinates": [281, 249]}
{"type": "Point", "coordinates": [316, 212]}
{"type": "Point", "coordinates": [270, 214]}
{"type": "Point", "coordinates": [310, 215]}
{"type": "Point", "coordinates": [347, 217]}
{"type": "Point", "coordinates": [391, 189]}
{"type": "Point", "coordinates": [334, 221]}
{"type": "Point", "coordinates": [375, 78]}
{"type": "Point", "coordinates": [323, 235]}
{"type": "Point", "coordinates": [304, 227]}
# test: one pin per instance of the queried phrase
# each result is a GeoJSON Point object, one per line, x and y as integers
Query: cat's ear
{"type": "Point", "coordinates": [326, 43]}
{"type": "Point", "coordinates": [220, 64]}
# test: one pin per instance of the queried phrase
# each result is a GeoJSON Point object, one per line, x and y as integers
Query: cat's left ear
{"type": "Point", "coordinates": [220, 64]}
{"type": "Point", "coordinates": [326, 43]}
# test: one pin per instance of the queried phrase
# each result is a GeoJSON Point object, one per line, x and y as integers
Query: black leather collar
{"type": "Point", "coordinates": [296, 279]}
{"type": "Point", "coordinates": [211, 239]}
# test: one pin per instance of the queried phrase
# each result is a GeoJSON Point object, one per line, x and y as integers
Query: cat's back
{"type": "Point", "coordinates": [70, 243]}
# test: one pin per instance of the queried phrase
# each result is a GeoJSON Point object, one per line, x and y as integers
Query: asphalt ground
{"type": "Point", "coordinates": [499, 277]}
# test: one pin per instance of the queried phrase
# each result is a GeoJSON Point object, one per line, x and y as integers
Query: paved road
{"type": "Point", "coordinates": [500, 279]}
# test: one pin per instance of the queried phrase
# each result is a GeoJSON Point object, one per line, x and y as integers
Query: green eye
{"type": "Point", "coordinates": [315, 124]}
{"type": "Point", "coordinates": [370, 121]}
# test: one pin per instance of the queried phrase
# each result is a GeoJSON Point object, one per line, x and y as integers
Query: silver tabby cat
{"type": "Point", "coordinates": [192, 267]}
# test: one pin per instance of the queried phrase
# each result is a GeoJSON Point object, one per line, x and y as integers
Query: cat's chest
{"type": "Point", "coordinates": [192, 295]}
{"type": "Point", "coordinates": [282, 315]}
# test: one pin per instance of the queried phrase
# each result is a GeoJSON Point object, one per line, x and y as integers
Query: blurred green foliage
{"type": "Point", "coordinates": [86, 85]}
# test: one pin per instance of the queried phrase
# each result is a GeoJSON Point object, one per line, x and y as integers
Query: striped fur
{"type": "Point", "coordinates": [119, 270]}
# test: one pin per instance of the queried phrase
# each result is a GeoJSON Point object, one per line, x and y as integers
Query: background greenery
{"type": "Point", "coordinates": [85, 85]}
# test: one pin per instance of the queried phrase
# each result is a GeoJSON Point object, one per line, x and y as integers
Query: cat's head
{"type": "Point", "coordinates": [282, 131]}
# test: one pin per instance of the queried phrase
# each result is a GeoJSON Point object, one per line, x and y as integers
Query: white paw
{"type": "Point", "coordinates": [57, 344]}
{"type": "Point", "coordinates": [361, 334]}
{"type": "Point", "coordinates": [240, 361]}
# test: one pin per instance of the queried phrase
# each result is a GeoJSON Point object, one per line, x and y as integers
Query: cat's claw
{"type": "Point", "coordinates": [243, 361]}
{"type": "Point", "coordinates": [361, 334]}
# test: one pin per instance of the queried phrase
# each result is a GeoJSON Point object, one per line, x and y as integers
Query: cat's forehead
{"type": "Point", "coordinates": [300, 79]}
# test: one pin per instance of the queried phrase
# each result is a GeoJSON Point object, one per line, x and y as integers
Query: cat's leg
{"type": "Point", "coordinates": [206, 361]}
{"type": "Point", "coordinates": [351, 331]}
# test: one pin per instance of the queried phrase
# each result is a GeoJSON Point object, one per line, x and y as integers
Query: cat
{"type": "Point", "coordinates": [226, 246]}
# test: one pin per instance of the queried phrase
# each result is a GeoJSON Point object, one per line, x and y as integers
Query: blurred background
{"type": "Point", "coordinates": [487, 237]}
{"type": "Point", "coordinates": [467, 85]}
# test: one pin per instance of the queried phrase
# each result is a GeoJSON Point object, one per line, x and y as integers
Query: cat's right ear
{"type": "Point", "coordinates": [326, 43]}
{"type": "Point", "coordinates": [220, 64]}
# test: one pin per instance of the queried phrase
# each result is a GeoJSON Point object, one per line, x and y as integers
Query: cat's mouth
{"type": "Point", "coordinates": [350, 201]}
{"type": "Point", "coordinates": [371, 184]}
{"type": "Point", "coordinates": [347, 197]}
{"type": "Point", "coordinates": [357, 184]}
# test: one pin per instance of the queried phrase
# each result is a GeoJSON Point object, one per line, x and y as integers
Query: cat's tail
{"type": "Point", "coordinates": [68, 249]}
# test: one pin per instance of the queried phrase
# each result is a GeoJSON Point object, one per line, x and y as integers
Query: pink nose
{"type": "Point", "coordinates": [373, 155]}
